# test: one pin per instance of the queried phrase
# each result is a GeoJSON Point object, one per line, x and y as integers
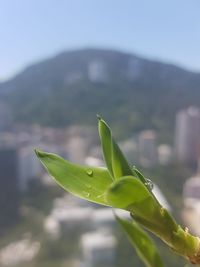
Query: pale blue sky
{"type": "Point", "coordinates": [31, 30]}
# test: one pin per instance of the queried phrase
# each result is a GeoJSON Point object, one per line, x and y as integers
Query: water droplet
{"type": "Point", "coordinates": [86, 194]}
{"type": "Point", "coordinates": [186, 230]}
{"type": "Point", "coordinates": [89, 172]}
{"type": "Point", "coordinates": [133, 167]}
{"type": "Point", "coordinates": [89, 186]}
{"type": "Point", "coordinates": [149, 183]}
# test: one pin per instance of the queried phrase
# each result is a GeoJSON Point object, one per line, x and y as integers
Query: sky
{"type": "Point", "coordinates": [32, 30]}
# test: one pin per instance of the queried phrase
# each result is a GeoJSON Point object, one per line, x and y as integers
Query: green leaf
{"type": "Point", "coordinates": [139, 175]}
{"type": "Point", "coordinates": [142, 243]}
{"type": "Point", "coordinates": [125, 192]}
{"type": "Point", "coordinates": [162, 226]}
{"type": "Point", "coordinates": [114, 158]}
{"type": "Point", "coordinates": [120, 165]}
{"type": "Point", "coordinates": [106, 143]}
{"type": "Point", "coordinates": [132, 195]}
{"type": "Point", "coordinates": [85, 182]}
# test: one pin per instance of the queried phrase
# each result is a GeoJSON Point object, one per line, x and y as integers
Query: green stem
{"type": "Point", "coordinates": [177, 238]}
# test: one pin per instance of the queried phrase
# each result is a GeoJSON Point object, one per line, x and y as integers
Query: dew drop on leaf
{"type": "Point", "coordinates": [89, 172]}
{"type": "Point", "coordinates": [86, 194]}
{"type": "Point", "coordinates": [149, 183]}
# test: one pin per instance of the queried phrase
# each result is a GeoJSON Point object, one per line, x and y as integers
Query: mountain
{"type": "Point", "coordinates": [131, 92]}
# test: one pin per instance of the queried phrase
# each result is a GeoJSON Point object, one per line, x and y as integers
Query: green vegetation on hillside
{"type": "Point", "coordinates": [147, 99]}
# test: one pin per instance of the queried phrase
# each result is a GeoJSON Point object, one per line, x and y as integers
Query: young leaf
{"type": "Point", "coordinates": [106, 143]}
{"type": "Point", "coordinates": [119, 162]}
{"type": "Point", "coordinates": [115, 160]}
{"type": "Point", "coordinates": [85, 182]}
{"type": "Point", "coordinates": [139, 175]}
{"type": "Point", "coordinates": [125, 192]}
{"type": "Point", "coordinates": [142, 243]}
{"type": "Point", "coordinates": [132, 195]}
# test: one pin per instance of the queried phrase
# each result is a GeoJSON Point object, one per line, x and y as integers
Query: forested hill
{"type": "Point", "coordinates": [129, 91]}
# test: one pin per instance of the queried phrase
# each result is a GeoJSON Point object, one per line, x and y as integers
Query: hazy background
{"type": "Point", "coordinates": [33, 30]}
{"type": "Point", "coordinates": [136, 63]}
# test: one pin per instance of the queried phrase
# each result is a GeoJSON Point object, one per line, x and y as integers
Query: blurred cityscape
{"type": "Point", "coordinates": [137, 65]}
{"type": "Point", "coordinates": [41, 225]}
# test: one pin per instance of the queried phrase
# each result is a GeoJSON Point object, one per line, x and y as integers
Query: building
{"type": "Point", "coordinates": [80, 141]}
{"type": "Point", "coordinates": [129, 148]}
{"type": "Point", "coordinates": [9, 190]}
{"type": "Point", "coordinates": [19, 252]}
{"type": "Point", "coordinates": [191, 189]}
{"type": "Point", "coordinates": [147, 148]}
{"type": "Point", "coordinates": [165, 154]}
{"type": "Point", "coordinates": [69, 215]}
{"type": "Point", "coordinates": [99, 249]}
{"type": "Point", "coordinates": [5, 117]}
{"type": "Point", "coordinates": [29, 167]}
{"type": "Point", "coordinates": [187, 135]}
{"type": "Point", "coordinates": [191, 201]}
{"type": "Point", "coordinates": [104, 218]}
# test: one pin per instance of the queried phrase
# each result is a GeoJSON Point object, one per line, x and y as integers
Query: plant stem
{"type": "Point", "coordinates": [177, 238]}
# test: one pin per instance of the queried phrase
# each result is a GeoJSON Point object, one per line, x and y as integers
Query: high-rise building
{"type": "Point", "coordinates": [9, 191]}
{"type": "Point", "coordinates": [80, 141]}
{"type": "Point", "coordinates": [28, 166]}
{"type": "Point", "coordinates": [187, 135]}
{"type": "Point", "coordinates": [191, 202]}
{"type": "Point", "coordinates": [147, 148]}
{"type": "Point", "coordinates": [99, 249]}
{"type": "Point", "coordinates": [5, 117]}
{"type": "Point", "coordinates": [165, 154]}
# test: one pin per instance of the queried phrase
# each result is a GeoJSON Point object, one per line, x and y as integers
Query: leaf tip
{"type": "Point", "coordinates": [99, 117]}
{"type": "Point", "coordinates": [102, 122]}
{"type": "Point", "coordinates": [39, 153]}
